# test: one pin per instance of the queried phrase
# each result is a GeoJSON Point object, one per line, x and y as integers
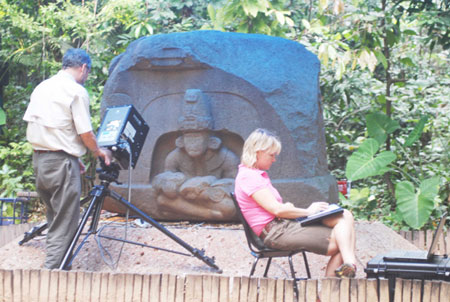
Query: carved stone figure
{"type": "Point", "coordinates": [199, 173]}
{"type": "Point", "coordinates": [245, 81]}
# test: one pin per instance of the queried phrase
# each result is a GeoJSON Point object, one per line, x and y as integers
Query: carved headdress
{"type": "Point", "coordinates": [196, 112]}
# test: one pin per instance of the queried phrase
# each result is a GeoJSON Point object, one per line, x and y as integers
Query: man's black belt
{"type": "Point", "coordinates": [47, 151]}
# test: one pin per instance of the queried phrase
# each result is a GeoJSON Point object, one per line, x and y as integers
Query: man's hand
{"type": "Point", "coordinates": [82, 166]}
{"type": "Point", "coordinates": [105, 154]}
{"type": "Point", "coordinates": [90, 142]}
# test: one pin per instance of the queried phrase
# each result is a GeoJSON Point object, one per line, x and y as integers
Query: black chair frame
{"type": "Point", "coordinates": [259, 250]}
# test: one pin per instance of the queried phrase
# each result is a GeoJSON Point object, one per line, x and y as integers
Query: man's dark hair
{"type": "Point", "coordinates": [76, 57]}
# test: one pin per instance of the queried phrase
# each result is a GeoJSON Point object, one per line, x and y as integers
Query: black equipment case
{"type": "Point", "coordinates": [436, 269]}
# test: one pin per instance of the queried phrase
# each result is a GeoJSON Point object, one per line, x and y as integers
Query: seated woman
{"type": "Point", "coordinates": [272, 220]}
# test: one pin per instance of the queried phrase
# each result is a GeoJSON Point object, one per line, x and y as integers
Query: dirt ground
{"type": "Point", "coordinates": [225, 242]}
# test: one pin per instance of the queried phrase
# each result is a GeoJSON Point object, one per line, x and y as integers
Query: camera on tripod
{"type": "Point", "coordinates": [123, 131]}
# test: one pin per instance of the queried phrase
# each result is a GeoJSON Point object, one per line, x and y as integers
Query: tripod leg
{"type": "Point", "coordinates": [93, 208]}
{"type": "Point", "coordinates": [200, 254]}
{"type": "Point", "coordinates": [37, 230]}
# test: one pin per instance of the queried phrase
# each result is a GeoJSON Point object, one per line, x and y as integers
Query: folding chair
{"type": "Point", "coordinates": [259, 250]}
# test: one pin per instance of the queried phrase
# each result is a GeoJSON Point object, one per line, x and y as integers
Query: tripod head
{"type": "Point", "coordinates": [108, 173]}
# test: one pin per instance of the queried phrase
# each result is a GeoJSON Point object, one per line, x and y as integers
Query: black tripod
{"type": "Point", "coordinates": [108, 174]}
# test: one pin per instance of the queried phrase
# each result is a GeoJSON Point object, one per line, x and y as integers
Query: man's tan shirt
{"type": "Point", "coordinates": [58, 112]}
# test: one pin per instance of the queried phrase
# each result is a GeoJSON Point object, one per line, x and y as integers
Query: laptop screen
{"type": "Point", "coordinates": [436, 236]}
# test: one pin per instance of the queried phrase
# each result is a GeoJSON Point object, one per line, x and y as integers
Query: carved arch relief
{"type": "Point", "coordinates": [226, 124]}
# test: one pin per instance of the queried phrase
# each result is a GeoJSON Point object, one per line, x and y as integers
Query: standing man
{"type": "Point", "coordinates": [60, 131]}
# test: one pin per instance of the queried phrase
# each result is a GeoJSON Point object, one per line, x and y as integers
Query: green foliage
{"type": "Point", "coordinates": [379, 126]}
{"type": "Point", "coordinates": [434, 17]}
{"type": "Point", "coordinates": [16, 173]}
{"type": "Point", "coordinates": [416, 206]}
{"type": "Point", "coordinates": [2, 117]}
{"type": "Point", "coordinates": [359, 202]}
{"type": "Point", "coordinates": [251, 16]}
{"type": "Point", "coordinates": [416, 133]}
{"type": "Point", "coordinates": [380, 80]}
{"type": "Point", "coordinates": [8, 211]}
{"type": "Point", "coordinates": [363, 163]}
{"type": "Point", "coordinates": [16, 102]}
{"type": "Point", "coordinates": [10, 185]}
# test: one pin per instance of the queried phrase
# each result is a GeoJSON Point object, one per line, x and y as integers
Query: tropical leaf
{"type": "Point", "coordinates": [381, 58]}
{"type": "Point", "coordinates": [356, 198]}
{"type": "Point", "coordinates": [363, 163]}
{"type": "Point", "coordinates": [379, 126]}
{"type": "Point", "coordinates": [408, 62]}
{"type": "Point", "coordinates": [416, 206]}
{"type": "Point", "coordinates": [211, 12]}
{"type": "Point", "coordinates": [252, 7]}
{"type": "Point", "coordinates": [417, 131]}
{"type": "Point", "coordinates": [2, 117]}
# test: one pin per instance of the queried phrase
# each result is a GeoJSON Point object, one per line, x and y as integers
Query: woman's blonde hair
{"type": "Point", "coordinates": [259, 140]}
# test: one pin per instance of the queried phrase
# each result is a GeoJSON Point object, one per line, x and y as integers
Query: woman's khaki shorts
{"type": "Point", "coordinates": [290, 235]}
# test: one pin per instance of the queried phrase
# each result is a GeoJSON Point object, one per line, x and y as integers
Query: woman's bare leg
{"type": "Point", "coordinates": [343, 236]}
{"type": "Point", "coordinates": [334, 262]}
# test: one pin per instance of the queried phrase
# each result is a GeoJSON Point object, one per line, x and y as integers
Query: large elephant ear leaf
{"type": "Point", "coordinates": [416, 206]}
{"type": "Point", "coordinates": [363, 163]}
{"type": "Point", "coordinates": [379, 125]}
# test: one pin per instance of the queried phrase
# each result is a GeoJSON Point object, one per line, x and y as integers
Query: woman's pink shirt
{"type": "Point", "coordinates": [249, 181]}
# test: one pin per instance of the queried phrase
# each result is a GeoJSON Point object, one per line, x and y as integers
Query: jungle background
{"type": "Point", "coordinates": [385, 83]}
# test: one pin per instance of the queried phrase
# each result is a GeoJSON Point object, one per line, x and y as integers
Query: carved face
{"type": "Point", "coordinates": [195, 143]}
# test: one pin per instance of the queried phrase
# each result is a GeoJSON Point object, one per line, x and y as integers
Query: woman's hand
{"type": "Point", "coordinates": [316, 207]}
